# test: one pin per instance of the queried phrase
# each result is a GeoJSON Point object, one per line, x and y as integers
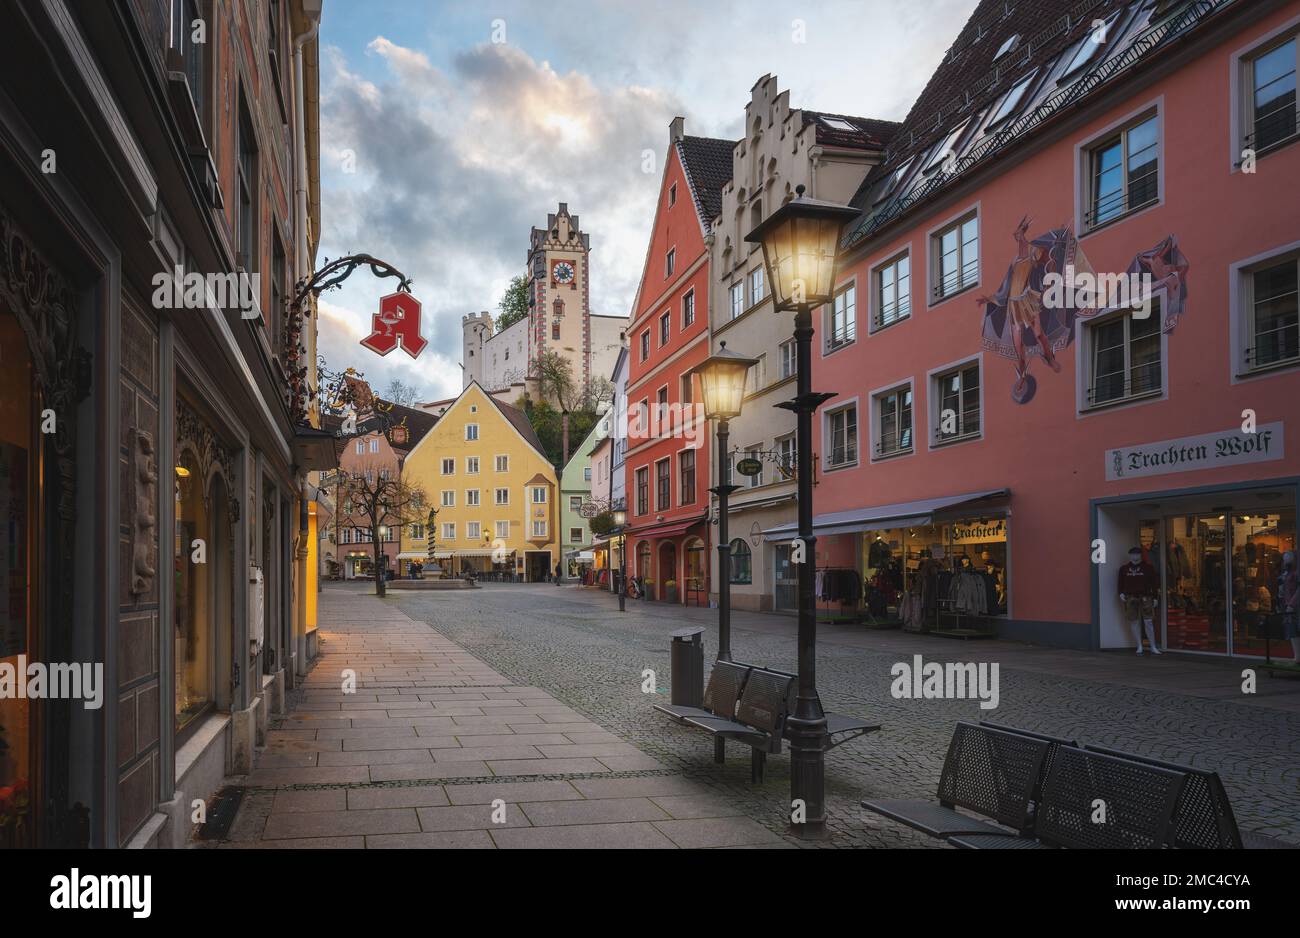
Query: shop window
{"type": "Point", "coordinates": [1270, 81]}
{"type": "Point", "coordinates": [663, 490]}
{"type": "Point", "coordinates": [842, 436]}
{"type": "Point", "coordinates": [893, 291]}
{"type": "Point", "coordinates": [1272, 318]}
{"type": "Point", "coordinates": [643, 560]}
{"type": "Point", "coordinates": [842, 328]}
{"type": "Point", "coordinates": [955, 254]}
{"type": "Point", "coordinates": [1124, 172]}
{"type": "Point", "coordinates": [741, 562]}
{"type": "Point", "coordinates": [686, 469]}
{"type": "Point", "coordinates": [956, 401]}
{"type": "Point", "coordinates": [1124, 357]}
{"type": "Point", "coordinates": [893, 415]}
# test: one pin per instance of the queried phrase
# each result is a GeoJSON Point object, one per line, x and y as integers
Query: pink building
{"type": "Point", "coordinates": [998, 441]}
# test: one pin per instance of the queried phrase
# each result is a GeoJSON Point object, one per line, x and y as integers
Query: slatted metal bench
{"type": "Point", "coordinates": [1138, 801]}
{"type": "Point", "coordinates": [991, 772]}
{"type": "Point", "coordinates": [840, 727]}
{"type": "Point", "coordinates": [726, 683]}
{"type": "Point", "coordinates": [1203, 817]}
{"type": "Point", "coordinates": [1054, 743]}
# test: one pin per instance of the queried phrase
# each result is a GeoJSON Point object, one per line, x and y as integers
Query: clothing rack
{"type": "Point", "coordinates": [825, 613]}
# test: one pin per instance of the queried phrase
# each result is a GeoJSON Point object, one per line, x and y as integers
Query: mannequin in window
{"type": "Point", "coordinates": [1138, 583]}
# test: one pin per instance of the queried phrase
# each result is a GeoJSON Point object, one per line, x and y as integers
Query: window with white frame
{"type": "Point", "coordinates": [893, 422]}
{"type": "Point", "coordinates": [687, 390]}
{"type": "Point", "coordinates": [502, 529]}
{"type": "Point", "coordinates": [471, 432]}
{"type": "Point", "coordinates": [503, 464]}
{"type": "Point", "coordinates": [645, 345]}
{"type": "Point", "coordinates": [503, 496]}
{"type": "Point", "coordinates": [688, 309]}
{"type": "Point", "coordinates": [1124, 172]}
{"type": "Point", "coordinates": [789, 358]}
{"type": "Point", "coordinates": [755, 453]}
{"type": "Point", "coordinates": [449, 466]}
{"type": "Point", "coordinates": [1271, 95]}
{"type": "Point", "coordinates": [417, 531]}
{"type": "Point", "coordinates": [586, 474]}
{"type": "Point", "coordinates": [788, 455]}
{"type": "Point", "coordinates": [663, 485]}
{"type": "Point", "coordinates": [665, 328]}
{"type": "Point", "coordinates": [539, 529]}
{"type": "Point", "coordinates": [575, 502]}
{"type": "Point", "coordinates": [893, 286]}
{"type": "Point", "coordinates": [374, 446]}
{"type": "Point", "coordinates": [471, 465]}
{"type": "Point", "coordinates": [448, 498]}
{"type": "Point", "coordinates": [1272, 323]}
{"type": "Point", "coordinates": [471, 497]}
{"type": "Point", "coordinates": [843, 318]}
{"type": "Point", "coordinates": [449, 530]}
{"type": "Point", "coordinates": [1124, 356]}
{"type": "Point", "coordinates": [539, 495]}
{"type": "Point", "coordinates": [955, 397]}
{"type": "Point", "coordinates": [757, 286]}
{"type": "Point", "coordinates": [670, 262]}
{"type": "Point", "coordinates": [473, 530]}
{"type": "Point", "coordinates": [737, 293]}
{"type": "Point", "coordinates": [361, 447]}
{"type": "Point", "coordinates": [955, 250]}
{"type": "Point", "coordinates": [642, 490]}
{"type": "Point", "coordinates": [686, 474]}
{"type": "Point", "coordinates": [575, 535]}
{"type": "Point", "coordinates": [842, 436]}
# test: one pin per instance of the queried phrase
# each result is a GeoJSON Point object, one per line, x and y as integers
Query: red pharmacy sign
{"type": "Point", "coordinates": [398, 320]}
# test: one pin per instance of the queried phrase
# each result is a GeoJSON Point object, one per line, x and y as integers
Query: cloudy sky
{"type": "Point", "coordinates": [449, 130]}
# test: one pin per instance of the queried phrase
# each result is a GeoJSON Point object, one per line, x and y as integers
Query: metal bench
{"type": "Point", "coordinates": [1203, 817]}
{"type": "Point", "coordinates": [759, 720]}
{"type": "Point", "coordinates": [726, 682]}
{"type": "Point", "coordinates": [1138, 800]}
{"type": "Point", "coordinates": [840, 728]}
{"type": "Point", "coordinates": [991, 772]}
{"type": "Point", "coordinates": [1054, 743]}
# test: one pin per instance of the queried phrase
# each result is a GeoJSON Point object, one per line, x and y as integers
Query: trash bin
{"type": "Point", "coordinates": [688, 667]}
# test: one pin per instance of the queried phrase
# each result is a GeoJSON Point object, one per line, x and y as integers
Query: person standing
{"type": "Point", "coordinates": [1288, 603]}
{"type": "Point", "coordinates": [1138, 584]}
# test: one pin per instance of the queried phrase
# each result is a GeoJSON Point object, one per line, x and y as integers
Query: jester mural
{"type": "Point", "coordinates": [1018, 324]}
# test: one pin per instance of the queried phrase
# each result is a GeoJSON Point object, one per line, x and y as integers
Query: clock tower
{"type": "Point", "coordinates": [559, 310]}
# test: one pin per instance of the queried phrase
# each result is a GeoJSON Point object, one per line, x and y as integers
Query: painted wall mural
{"type": "Point", "coordinates": [1050, 284]}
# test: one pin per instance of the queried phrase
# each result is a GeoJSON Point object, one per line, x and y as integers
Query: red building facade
{"type": "Point", "coordinates": [667, 463]}
{"type": "Point", "coordinates": [989, 429]}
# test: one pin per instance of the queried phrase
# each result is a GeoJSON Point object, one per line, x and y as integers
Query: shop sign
{"type": "Point", "coordinates": [1233, 447]}
{"type": "Point", "coordinates": [979, 532]}
{"type": "Point", "coordinates": [749, 467]}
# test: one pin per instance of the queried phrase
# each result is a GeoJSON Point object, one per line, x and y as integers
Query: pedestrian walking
{"type": "Point", "coordinates": [1288, 602]}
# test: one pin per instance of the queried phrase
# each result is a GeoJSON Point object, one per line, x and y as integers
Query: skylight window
{"type": "Point", "coordinates": [948, 145]}
{"type": "Point", "coordinates": [1091, 45]}
{"type": "Point", "coordinates": [839, 124]}
{"type": "Point", "coordinates": [1012, 100]}
{"type": "Point", "coordinates": [1011, 42]}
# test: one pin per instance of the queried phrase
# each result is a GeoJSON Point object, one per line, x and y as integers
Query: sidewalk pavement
{"type": "Point", "coordinates": [1210, 677]}
{"type": "Point", "coordinates": [435, 749]}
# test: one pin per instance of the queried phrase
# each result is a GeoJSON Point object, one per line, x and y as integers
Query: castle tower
{"type": "Point", "coordinates": [559, 299]}
{"type": "Point", "coordinates": [476, 329]}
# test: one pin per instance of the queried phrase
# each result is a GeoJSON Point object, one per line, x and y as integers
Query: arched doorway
{"type": "Point", "coordinates": [668, 572]}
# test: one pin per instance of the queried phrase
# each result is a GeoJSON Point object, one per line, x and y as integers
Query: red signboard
{"type": "Point", "coordinates": [398, 321]}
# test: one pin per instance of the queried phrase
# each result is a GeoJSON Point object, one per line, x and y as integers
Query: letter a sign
{"type": "Point", "coordinates": [398, 320]}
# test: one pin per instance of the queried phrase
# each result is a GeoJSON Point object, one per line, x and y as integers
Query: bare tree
{"type": "Point", "coordinates": [555, 380]}
{"type": "Point", "coordinates": [398, 392]}
{"type": "Point", "coordinates": [376, 499]}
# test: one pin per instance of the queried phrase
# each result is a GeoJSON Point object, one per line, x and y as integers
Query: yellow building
{"type": "Point", "coordinates": [495, 493]}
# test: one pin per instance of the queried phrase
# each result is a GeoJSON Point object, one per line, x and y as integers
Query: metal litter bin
{"type": "Point", "coordinates": [688, 667]}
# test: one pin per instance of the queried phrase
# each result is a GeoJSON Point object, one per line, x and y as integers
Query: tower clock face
{"type": "Point", "coordinates": [562, 272]}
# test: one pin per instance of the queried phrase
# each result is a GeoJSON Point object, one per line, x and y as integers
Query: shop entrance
{"type": "Point", "coordinates": [538, 566]}
{"type": "Point", "coordinates": [1218, 555]}
{"type": "Point", "coordinates": [785, 580]}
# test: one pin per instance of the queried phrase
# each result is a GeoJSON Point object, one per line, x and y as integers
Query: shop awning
{"type": "Point", "coordinates": [900, 515]}
{"type": "Point", "coordinates": [582, 556]}
{"type": "Point", "coordinates": [664, 529]}
{"type": "Point", "coordinates": [468, 552]}
{"type": "Point", "coordinates": [413, 555]}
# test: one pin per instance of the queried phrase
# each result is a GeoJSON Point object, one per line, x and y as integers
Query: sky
{"type": "Point", "coordinates": [450, 130]}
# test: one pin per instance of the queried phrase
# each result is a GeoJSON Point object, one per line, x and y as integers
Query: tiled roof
{"type": "Point", "coordinates": [707, 162]}
{"type": "Point", "coordinates": [973, 77]}
{"type": "Point", "coordinates": [870, 133]}
{"type": "Point", "coordinates": [519, 420]}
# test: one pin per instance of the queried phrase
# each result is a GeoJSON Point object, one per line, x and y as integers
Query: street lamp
{"type": "Point", "coordinates": [722, 384]}
{"type": "Point", "coordinates": [800, 241]}
{"type": "Point", "coordinates": [620, 522]}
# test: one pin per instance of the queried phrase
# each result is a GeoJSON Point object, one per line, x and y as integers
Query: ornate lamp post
{"type": "Point", "coordinates": [620, 522]}
{"type": "Point", "coordinates": [431, 529]}
{"type": "Point", "coordinates": [800, 241]}
{"type": "Point", "coordinates": [722, 383]}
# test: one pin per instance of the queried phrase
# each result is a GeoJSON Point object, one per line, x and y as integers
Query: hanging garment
{"type": "Point", "coordinates": [967, 593]}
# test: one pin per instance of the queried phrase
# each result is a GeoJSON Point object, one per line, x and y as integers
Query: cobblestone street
{"type": "Point", "coordinates": [417, 754]}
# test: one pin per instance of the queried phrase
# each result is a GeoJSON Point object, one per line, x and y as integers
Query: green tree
{"type": "Point", "coordinates": [514, 303]}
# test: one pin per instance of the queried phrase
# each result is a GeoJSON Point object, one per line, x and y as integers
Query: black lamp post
{"type": "Point", "coordinates": [620, 522]}
{"type": "Point", "coordinates": [800, 241]}
{"type": "Point", "coordinates": [722, 382]}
